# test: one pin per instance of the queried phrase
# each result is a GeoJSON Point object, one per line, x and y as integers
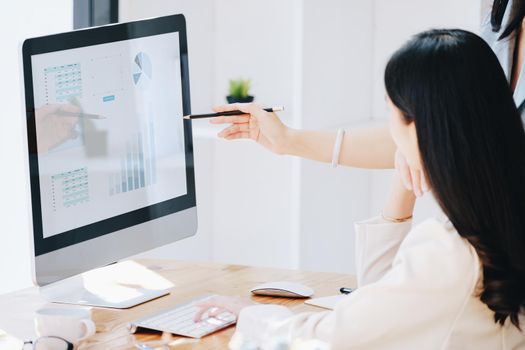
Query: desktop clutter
{"type": "Point", "coordinates": [180, 320]}
{"type": "Point", "coordinates": [61, 328]}
{"type": "Point", "coordinates": [56, 328]}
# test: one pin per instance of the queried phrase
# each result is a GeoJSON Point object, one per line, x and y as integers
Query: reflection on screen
{"type": "Point", "coordinates": [109, 130]}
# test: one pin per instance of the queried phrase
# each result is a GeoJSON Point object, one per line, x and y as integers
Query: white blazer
{"type": "Point", "coordinates": [418, 289]}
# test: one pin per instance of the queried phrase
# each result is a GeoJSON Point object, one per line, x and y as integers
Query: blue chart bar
{"type": "Point", "coordinates": [136, 163]}
{"type": "Point", "coordinates": [108, 98]}
{"type": "Point", "coordinates": [138, 166]}
{"type": "Point", "coordinates": [141, 161]}
{"type": "Point", "coordinates": [153, 154]}
{"type": "Point", "coordinates": [111, 186]}
{"type": "Point", "coordinates": [147, 158]}
{"type": "Point", "coordinates": [129, 168]}
{"type": "Point", "coordinates": [123, 175]}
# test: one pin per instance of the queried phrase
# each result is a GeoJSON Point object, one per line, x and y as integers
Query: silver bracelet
{"type": "Point", "coordinates": [337, 147]}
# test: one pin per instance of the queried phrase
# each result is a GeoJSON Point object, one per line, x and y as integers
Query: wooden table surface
{"type": "Point", "coordinates": [190, 280]}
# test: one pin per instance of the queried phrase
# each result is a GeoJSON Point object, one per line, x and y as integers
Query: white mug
{"type": "Point", "coordinates": [73, 325]}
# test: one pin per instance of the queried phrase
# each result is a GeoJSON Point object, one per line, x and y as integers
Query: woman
{"type": "Point", "coordinates": [502, 28]}
{"type": "Point", "coordinates": [452, 284]}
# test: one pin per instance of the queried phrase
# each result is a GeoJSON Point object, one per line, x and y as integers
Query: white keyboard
{"type": "Point", "coordinates": [179, 320]}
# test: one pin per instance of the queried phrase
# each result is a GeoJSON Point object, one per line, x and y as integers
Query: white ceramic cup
{"type": "Point", "coordinates": [73, 325]}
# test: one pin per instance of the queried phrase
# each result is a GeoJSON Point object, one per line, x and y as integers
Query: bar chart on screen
{"type": "Point", "coordinates": [138, 166]}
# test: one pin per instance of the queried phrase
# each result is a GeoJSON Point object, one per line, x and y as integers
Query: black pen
{"type": "Point", "coordinates": [345, 290]}
{"type": "Point", "coordinates": [228, 113]}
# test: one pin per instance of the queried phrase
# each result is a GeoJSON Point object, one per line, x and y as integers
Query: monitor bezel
{"type": "Point", "coordinates": [89, 37]}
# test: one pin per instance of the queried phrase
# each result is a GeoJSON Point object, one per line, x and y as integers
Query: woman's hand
{"type": "Point", "coordinates": [54, 129]}
{"type": "Point", "coordinates": [405, 183]}
{"type": "Point", "coordinates": [256, 124]}
{"type": "Point", "coordinates": [413, 179]}
{"type": "Point", "coordinates": [219, 304]}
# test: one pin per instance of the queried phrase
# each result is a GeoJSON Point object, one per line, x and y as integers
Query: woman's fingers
{"type": "Point", "coordinates": [413, 179]}
{"type": "Point", "coordinates": [424, 183]}
{"type": "Point", "coordinates": [404, 173]}
{"type": "Point", "coordinates": [202, 310]}
{"type": "Point", "coordinates": [216, 311]}
{"type": "Point", "coordinates": [236, 119]}
{"type": "Point", "coordinates": [403, 170]}
{"type": "Point", "coordinates": [68, 107]}
{"type": "Point", "coordinates": [235, 128]}
{"type": "Point", "coordinates": [236, 131]}
{"type": "Point", "coordinates": [207, 308]}
{"type": "Point", "coordinates": [214, 306]}
{"type": "Point", "coordinates": [239, 135]}
{"type": "Point", "coordinates": [224, 108]}
{"type": "Point", "coordinates": [204, 307]}
{"type": "Point", "coordinates": [248, 108]}
{"type": "Point", "coordinates": [416, 182]}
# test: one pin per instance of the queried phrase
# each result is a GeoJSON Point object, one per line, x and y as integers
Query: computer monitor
{"type": "Point", "coordinates": [110, 156]}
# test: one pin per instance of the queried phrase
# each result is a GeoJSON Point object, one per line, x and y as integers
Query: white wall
{"type": "Point", "coordinates": [337, 64]}
{"type": "Point", "coordinates": [395, 22]}
{"type": "Point", "coordinates": [253, 192]}
{"type": "Point", "coordinates": [19, 20]}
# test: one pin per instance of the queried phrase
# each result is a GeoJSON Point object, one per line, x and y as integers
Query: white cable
{"type": "Point", "coordinates": [337, 147]}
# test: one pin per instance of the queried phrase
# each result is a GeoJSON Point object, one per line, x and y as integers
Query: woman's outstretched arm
{"type": "Point", "coordinates": [362, 148]}
{"type": "Point", "coordinates": [371, 148]}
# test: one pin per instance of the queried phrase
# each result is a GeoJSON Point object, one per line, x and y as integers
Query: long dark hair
{"type": "Point", "coordinates": [472, 145]}
{"type": "Point", "coordinates": [498, 11]}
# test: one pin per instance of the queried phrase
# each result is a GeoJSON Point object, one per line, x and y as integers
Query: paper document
{"type": "Point", "coordinates": [326, 302]}
{"type": "Point", "coordinates": [9, 342]}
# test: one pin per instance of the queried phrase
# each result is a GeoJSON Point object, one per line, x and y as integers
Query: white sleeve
{"type": "Point", "coordinates": [274, 326]}
{"type": "Point", "coordinates": [418, 301]}
{"type": "Point", "coordinates": [376, 244]}
{"type": "Point", "coordinates": [413, 305]}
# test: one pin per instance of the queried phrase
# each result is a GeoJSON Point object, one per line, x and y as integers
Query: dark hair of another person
{"type": "Point", "coordinates": [472, 145]}
{"type": "Point", "coordinates": [498, 11]}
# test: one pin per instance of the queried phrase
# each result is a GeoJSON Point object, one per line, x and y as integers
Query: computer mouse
{"type": "Point", "coordinates": [283, 289]}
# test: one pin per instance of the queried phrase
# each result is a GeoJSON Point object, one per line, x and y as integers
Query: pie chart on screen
{"type": "Point", "coordinates": [142, 70]}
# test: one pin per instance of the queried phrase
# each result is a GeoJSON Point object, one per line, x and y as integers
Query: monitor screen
{"type": "Point", "coordinates": [107, 140]}
{"type": "Point", "coordinates": [109, 130]}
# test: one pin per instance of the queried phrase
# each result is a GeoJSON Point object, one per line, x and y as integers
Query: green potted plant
{"type": "Point", "coordinates": [239, 91]}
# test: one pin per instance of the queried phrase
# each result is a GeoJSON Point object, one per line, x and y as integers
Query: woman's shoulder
{"type": "Point", "coordinates": [439, 235]}
{"type": "Point", "coordinates": [434, 250]}
{"type": "Point", "coordinates": [440, 230]}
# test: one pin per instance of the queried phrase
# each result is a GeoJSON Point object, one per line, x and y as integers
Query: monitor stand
{"type": "Point", "coordinates": [118, 286]}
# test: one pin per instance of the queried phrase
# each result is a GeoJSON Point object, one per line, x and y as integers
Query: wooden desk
{"type": "Point", "coordinates": [190, 280]}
